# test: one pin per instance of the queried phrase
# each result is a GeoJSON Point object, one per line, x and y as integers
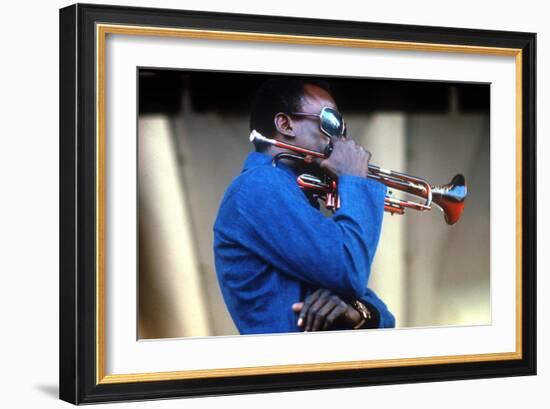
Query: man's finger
{"type": "Point", "coordinates": [297, 306]}
{"type": "Point", "coordinates": [333, 316]}
{"type": "Point", "coordinates": [305, 307]}
{"type": "Point", "coordinates": [313, 310]}
{"type": "Point", "coordinates": [322, 314]}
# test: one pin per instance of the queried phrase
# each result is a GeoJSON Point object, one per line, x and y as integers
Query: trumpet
{"type": "Point", "coordinates": [449, 198]}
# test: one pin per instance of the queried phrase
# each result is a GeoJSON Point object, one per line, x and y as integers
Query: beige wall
{"type": "Point", "coordinates": [384, 135]}
{"type": "Point", "coordinates": [171, 288]}
{"type": "Point", "coordinates": [448, 267]}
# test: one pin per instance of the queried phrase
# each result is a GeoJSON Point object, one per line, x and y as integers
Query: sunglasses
{"type": "Point", "coordinates": [331, 122]}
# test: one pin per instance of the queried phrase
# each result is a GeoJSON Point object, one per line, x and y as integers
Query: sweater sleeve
{"type": "Point", "coordinates": [383, 318]}
{"type": "Point", "coordinates": [285, 230]}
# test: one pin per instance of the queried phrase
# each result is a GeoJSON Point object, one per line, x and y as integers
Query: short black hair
{"type": "Point", "coordinates": [279, 95]}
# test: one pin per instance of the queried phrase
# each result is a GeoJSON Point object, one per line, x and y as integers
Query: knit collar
{"type": "Point", "coordinates": [257, 159]}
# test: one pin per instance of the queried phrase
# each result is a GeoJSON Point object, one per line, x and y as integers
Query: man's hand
{"type": "Point", "coordinates": [323, 310]}
{"type": "Point", "coordinates": [347, 158]}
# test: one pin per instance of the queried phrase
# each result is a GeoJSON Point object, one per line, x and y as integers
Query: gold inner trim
{"type": "Point", "coordinates": [100, 205]}
{"type": "Point", "coordinates": [285, 369]}
{"type": "Point", "coordinates": [519, 196]}
{"type": "Point", "coordinates": [298, 39]}
{"type": "Point", "coordinates": [103, 29]}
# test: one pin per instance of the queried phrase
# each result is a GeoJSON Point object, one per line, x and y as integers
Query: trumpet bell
{"type": "Point", "coordinates": [451, 198]}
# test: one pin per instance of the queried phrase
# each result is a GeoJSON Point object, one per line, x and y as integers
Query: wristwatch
{"type": "Point", "coordinates": [363, 311]}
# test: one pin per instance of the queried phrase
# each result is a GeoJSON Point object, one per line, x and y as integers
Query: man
{"type": "Point", "coordinates": [282, 265]}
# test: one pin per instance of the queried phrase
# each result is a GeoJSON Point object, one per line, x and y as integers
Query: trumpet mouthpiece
{"type": "Point", "coordinates": [254, 135]}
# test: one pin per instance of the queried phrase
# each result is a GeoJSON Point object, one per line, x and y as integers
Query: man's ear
{"type": "Point", "coordinates": [284, 125]}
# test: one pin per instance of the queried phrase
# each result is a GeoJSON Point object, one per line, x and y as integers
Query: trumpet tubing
{"type": "Point", "coordinates": [449, 198]}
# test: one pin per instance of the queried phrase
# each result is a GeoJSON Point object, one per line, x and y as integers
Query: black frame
{"type": "Point", "coordinates": [77, 204]}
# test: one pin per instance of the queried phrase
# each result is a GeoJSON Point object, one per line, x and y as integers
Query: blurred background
{"type": "Point", "coordinates": [193, 138]}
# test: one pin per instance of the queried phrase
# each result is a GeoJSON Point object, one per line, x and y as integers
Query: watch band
{"type": "Point", "coordinates": [363, 311]}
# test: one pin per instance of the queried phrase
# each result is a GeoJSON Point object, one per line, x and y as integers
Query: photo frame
{"type": "Point", "coordinates": [85, 289]}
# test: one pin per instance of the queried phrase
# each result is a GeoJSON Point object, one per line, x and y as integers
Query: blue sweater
{"type": "Point", "coordinates": [273, 248]}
